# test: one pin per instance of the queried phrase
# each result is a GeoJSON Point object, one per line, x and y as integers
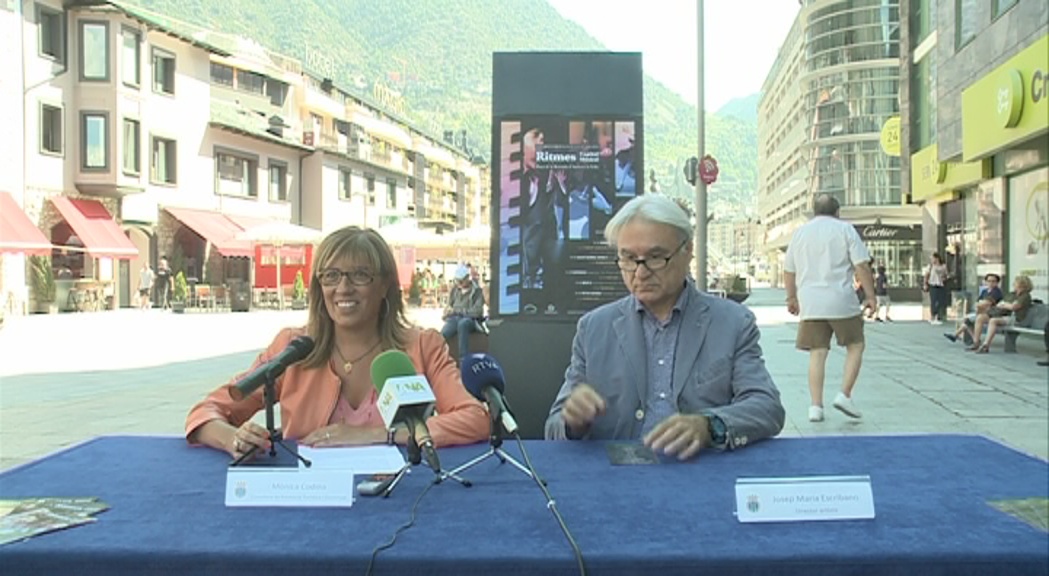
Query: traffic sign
{"type": "Point", "coordinates": [708, 170]}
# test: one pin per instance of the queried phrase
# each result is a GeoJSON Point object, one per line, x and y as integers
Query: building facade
{"type": "Point", "coordinates": [143, 137]}
{"type": "Point", "coordinates": [975, 134]}
{"type": "Point", "coordinates": [828, 124]}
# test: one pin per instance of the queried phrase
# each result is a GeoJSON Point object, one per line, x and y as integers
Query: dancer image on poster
{"type": "Point", "coordinates": [541, 191]}
{"type": "Point", "coordinates": [626, 176]}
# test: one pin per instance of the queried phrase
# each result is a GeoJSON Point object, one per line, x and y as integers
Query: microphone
{"type": "Point", "coordinates": [483, 377]}
{"type": "Point", "coordinates": [299, 348]}
{"type": "Point", "coordinates": [405, 396]}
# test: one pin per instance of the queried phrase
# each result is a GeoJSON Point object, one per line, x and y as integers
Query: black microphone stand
{"type": "Point", "coordinates": [495, 448]}
{"type": "Point", "coordinates": [276, 438]}
{"type": "Point", "coordinates": [415, 458]}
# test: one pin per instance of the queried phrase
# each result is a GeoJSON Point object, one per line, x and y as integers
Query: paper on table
{"type": "Point", "coordinates": [361, 459]}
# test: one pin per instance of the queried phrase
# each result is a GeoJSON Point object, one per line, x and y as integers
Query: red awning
{"type": "Point", "coordinates": [95, 227]}
{"type": "Point", "coordinates": [219, 229]}
{"type": "Point", "coordinates": [17, 232]}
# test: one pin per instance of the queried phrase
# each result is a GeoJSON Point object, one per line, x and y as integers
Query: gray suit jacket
{"type": "Point", "coordinates": [718, 369]}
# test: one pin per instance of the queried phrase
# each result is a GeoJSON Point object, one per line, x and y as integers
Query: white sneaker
{"type": "Point", "coordinates": [844, 404]}
{"type": "Point", "coordinates": [935, 322]}
{"type": "Point", "coordinates": [815, 414]}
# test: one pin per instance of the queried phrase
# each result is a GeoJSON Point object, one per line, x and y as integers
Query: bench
{"type": "Point", "coordinates": [1039, 315]}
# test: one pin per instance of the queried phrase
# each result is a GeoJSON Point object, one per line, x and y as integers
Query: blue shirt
{"type": "Point", "coordinates": [994, 294]}
{"type": "Point", "coordinates": [661, 339]}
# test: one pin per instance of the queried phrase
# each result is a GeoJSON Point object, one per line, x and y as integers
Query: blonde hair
{"type": "Point", "coordinates": [1024, 282]}
{"type": "Point", "coordinates": [365, 247]}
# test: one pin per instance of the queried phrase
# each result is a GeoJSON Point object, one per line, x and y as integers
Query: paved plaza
{"type": "Point", "coordinates": [66, 378]}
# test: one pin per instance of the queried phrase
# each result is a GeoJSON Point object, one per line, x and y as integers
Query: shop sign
{"type": "Point", "coordinates": [890, 136]}
{"type": "Point", "coordinates": [882, 232]}
{"type": "Point", "coordinates": [1009, 105]}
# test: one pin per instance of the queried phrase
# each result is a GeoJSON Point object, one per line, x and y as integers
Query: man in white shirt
{"type": "Point", "coordinates": [823, 258]}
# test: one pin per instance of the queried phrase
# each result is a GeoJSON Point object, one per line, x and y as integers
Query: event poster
{"type": "Point", "coordinates": [1029, 230]}
{"type": "Point", "coordinates": [559, 181]}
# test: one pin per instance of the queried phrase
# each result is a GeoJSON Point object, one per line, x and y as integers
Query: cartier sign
{"type": "Point", "coordinates": [879, 232]}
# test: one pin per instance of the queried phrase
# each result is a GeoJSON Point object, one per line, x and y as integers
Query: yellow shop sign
{"type": "Point", "coordinates": [1009, 105]}
{"type": "Point", "coordinates": [930, 177]}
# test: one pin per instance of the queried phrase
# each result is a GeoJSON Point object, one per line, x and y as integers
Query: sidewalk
{"type": "Point", "coordinates": [69, 377]}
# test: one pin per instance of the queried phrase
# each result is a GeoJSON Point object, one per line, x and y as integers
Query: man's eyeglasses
{"type": "Point", "coordinates": [333, 276]}
{"type": "Point", "coordinates": [654, 264]}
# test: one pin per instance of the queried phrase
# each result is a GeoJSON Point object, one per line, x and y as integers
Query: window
{"type": "Point", "coordinates": [163, 72]}
{"type": "Point", "coordinates": [277, 91]}
{"type": "Point", "coordinates": [391, 194]}
{"type": "Point", "coordinates": [221, 74]}
{"type": "Point", "coordinates": [965, 12]}
{"type": "Point", "coordinates": [94, 141]}
{"type": "Point", "coordinates": [131, 155]}
{"type": "Point", "coordinates": [164, 166]}
{"type": "Point", "coordinates": [250, 82]}
{"type": "Point", "coordinates": [50, 129]}
{"type": "Point", "coordinates": [94, 51]}
{"type": "Point", "coordinates": [130, 60]}
{"type": "Point", "coordinates": [369, 179]}
{"type": "Point", "coordinates": [236, 175]}
{"type": "Point", "coordinates": [52, 28]}
{"type": "Point", "coordinates": [344, 184]}
{"type": "Point", "coordinates": [278, 182]}
{"type": "Point", "coordinates": [999, 7]}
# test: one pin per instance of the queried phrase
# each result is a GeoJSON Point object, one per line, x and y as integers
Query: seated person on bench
{"type": "Point", "coordinates": [465, 310]}
{"type": "Point", "coordinates": [990, 296]}
{"type": "Point", "coordinates": [1016, 313]}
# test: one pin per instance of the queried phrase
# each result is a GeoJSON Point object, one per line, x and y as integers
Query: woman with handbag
{"type": "Point", "coordinates": [935, 283]}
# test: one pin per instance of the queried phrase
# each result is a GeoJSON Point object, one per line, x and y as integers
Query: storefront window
{"type": "Point", "coordinates": [902, 261]}
{"type": "Point", "coordinates": [1029, 229]}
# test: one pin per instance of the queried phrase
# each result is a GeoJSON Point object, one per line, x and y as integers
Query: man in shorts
{"type": "Point", "coordinates": [822, 259]}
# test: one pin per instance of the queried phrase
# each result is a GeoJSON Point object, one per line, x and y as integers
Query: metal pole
{"type": "Point", "coordinates": [701, 188]}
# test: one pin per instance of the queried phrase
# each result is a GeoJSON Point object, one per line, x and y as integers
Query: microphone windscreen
{"type": "Point", "coordinates": [299, 348]}
{"type": "Point", "coordinates": [391, 364]}
{"type": "Point", "coordinates": [479, 371]}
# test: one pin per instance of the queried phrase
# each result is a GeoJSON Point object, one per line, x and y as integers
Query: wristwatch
{"type": "Point", "coordinates": [718, 431]}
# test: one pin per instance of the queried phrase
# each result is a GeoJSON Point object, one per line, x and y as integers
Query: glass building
{"type": "Point", "coordinates": [828, 123]}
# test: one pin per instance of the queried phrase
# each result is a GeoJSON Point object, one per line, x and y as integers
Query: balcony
{"type": "Point", "coordinates": [318, 101]}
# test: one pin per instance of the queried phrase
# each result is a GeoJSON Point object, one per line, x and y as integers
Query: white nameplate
{"type": "Point", "coordinates": [288, 487]}
{"type": "Point", "coordinates": [804, 499]}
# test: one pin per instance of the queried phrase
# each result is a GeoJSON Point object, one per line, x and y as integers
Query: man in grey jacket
{"type": "Point", "coordinates": [465, 309]}
{"type": "Point", "coordinates": [668, 364]}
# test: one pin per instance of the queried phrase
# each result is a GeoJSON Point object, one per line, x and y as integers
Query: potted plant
{"type": "Point", "coordinates": [415, 291]}
{"type": "Point", "coordinates": [42, 282]}
{"type": "Point", "coordinates": [737, 288]}
{"type": "Point", "coordinates": [179, 294]}
{"type": "Point", "coordinates": [298, 293]}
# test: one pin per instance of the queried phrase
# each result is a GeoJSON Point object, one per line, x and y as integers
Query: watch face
{"type": "Point", "coordinates": [717, 429]}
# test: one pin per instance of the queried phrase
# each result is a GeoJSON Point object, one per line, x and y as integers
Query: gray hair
{"type": "Point", "coordinates": [653, 208]}
{"type": "Point", "coordinates": [825, 205]}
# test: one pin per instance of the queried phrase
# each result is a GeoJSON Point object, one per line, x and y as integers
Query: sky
{"type": "Point", "coordinates": [741, 40]}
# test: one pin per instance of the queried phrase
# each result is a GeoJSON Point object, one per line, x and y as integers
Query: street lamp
{"type": "Point", "coordinates": [701, 187]}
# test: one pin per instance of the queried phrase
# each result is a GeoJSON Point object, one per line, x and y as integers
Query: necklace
{"type": "Point", "coordinates": [347, 365]}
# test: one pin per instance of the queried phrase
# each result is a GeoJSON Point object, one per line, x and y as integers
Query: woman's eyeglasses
{"type": "Point", "coordinates": [333, 276]}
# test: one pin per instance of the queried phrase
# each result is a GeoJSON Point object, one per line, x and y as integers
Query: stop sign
{"type": "Point", "coordinates": [708, 169]}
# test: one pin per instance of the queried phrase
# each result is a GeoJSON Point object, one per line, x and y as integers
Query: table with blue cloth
{"type": "Point", "coordinates": [168, 515]}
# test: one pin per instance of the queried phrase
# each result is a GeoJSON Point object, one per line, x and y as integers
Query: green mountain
{"type": "Point", "coordinates": [745, 108]}
{"type": "Point", "coordinates": [439, 56]}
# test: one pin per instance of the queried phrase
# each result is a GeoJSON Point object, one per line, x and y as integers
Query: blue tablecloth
{"type": "Point", "coordinates": [168, 515]}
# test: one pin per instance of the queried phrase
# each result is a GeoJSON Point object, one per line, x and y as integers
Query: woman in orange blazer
{"type": "Point", "coordinates": [328, 399]}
